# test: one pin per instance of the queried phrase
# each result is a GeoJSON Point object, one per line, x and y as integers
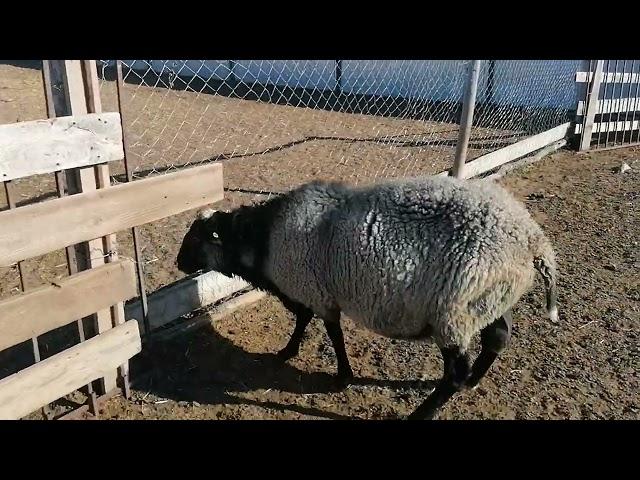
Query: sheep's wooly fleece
{"type": "Point", "coordinates": [406, 257]}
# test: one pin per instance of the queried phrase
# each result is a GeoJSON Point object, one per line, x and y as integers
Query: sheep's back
{"type": "Point", "coordinates": [400, 257]}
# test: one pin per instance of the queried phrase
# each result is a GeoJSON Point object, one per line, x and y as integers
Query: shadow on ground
{"type": "Point", "coordinates": [207, 368]}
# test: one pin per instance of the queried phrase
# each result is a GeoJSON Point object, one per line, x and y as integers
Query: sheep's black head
{"type": "Point", "coordinates": [203, 247]}
{"type": "Point", "coordinates": [215, 241]}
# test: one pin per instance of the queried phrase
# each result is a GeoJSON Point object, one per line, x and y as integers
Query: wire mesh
{"type": "Point", "coordinates": [276, 124]}
{"type": "Point", "coordinates": [520, 98]}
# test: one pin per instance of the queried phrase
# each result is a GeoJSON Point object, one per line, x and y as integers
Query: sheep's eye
{"type": "Point", "coordinates": [214, 238]}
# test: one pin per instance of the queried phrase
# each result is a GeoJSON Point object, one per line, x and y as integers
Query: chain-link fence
{"type": "Point", "coordinates": [277, 124]}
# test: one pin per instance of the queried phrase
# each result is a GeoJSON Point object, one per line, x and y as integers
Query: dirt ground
{"type": "Point", "coordinates": [587, 367]}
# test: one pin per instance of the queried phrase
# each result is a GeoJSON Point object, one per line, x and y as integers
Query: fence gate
{"type": "Point", "coordinates": [608, 110]}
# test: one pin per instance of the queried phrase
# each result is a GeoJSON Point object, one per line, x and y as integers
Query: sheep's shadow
{"type": "Point", "coordinates": [205, 367]}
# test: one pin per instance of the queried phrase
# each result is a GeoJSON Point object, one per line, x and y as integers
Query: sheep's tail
{"type": "Point", "coordinates": [544, 262]}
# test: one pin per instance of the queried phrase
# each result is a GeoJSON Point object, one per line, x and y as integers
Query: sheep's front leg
{"type": "Point", "coordinates": [303, 317]}
{"type": "Point", "coordinates": [334, 330]}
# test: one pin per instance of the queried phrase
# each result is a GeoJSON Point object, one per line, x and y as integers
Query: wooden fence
{"type": "Point", "coordinates": [77, 149]}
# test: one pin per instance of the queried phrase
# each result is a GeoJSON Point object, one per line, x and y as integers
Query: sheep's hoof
{"type": "Point", "coordinates": [470, 385]}
{"type": "Point", "coordinates": [421, 416]}
{"type": "Point", "coordinates": [344, 380]}
{"type": "Point", "coordinates": [286, 354]}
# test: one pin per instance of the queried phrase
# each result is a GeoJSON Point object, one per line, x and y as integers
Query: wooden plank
{"type": "Point", "coordinates": [78, 94]}
{"type": "Point", "coordinates": [519, 149]}
{"type": "Point", "coordinates": [46, 146]}
{"type": "Point", "coordinates": [184, 296]}
{"type": "Point", "coordinates": [610, 77]}
{"type": "Point", "coordinates": [210, 318]}
{"type": "Point", "coordinates": [83, 412]}
{"type": "Point", "coordinates": [100, 250]}
{"type": "Point", "coordinates": [36, 229]}
{"type": "Point", "coordinates": [621, 126]}
{"type": "Point", "coordinates": [61, 374]}
{"type": "Point", "coordinates": [592, 100]}
{"type": "Point", "coordinates": [620, 105]}
{"type": "Point", "coordinates": [91, 86]}
{"type": "Point", "coordinates": [56, 103]}
{"type": "Point", "coordinates": [23, 284]}
{"type": "Point", "coordinates": [57, 87]}
{"type": "Point", "coordinates": [526, 161]}
{"type": "Point", "coordinates": [54, 72]}
{"type": "Point", "coordinates": [43, 309]}
{"type": "Point", "coordinates": [75, 86]}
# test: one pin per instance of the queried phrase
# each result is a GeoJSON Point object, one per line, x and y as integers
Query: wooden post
{"type": "Point", "coordinates": [75, 91]}
{"type": "Point", "coordinates": [466, 120]}
{"type": "Point", "coordinates": [57, 103]}
{"type": "Point", "coordinates": [23, 286]}
{"type": "Point", "coordinates": [593, 92]}
{"type": "Point", "coordinates": [103, 180]}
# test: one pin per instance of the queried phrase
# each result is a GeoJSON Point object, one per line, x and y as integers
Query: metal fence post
{"type": "Point", "coordinates": [466, 120]}
{"type": "Point", "coordinates": [491, 82]}
{"type": "Point", "coordinates": [233, 79]}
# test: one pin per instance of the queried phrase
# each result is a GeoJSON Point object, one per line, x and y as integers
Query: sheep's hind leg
{"type": "Point", "coordinates": [495, 338]}
{"type": "Point", "coordinates": [457, 369]}
{"type": "Point", "coordinates": [334, 330]}
{"type": "Point", "coordinates": [303, 318]}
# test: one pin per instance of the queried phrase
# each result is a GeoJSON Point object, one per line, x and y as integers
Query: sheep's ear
{"type": "Point", "coordinates": [206, 214]}
{"type": "Point", "coordinates": [241, 227]}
